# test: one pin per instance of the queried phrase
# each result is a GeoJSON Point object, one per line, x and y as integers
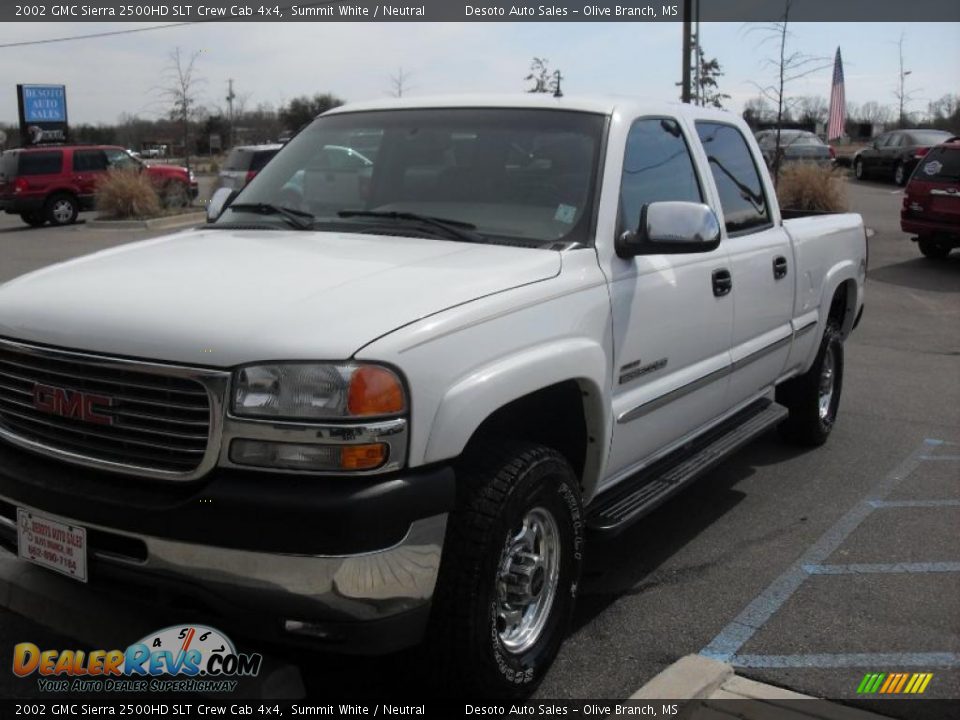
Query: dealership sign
{"type": "Point", "coordinates": [43, 114]}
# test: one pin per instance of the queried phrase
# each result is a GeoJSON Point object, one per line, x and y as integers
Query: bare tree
{"type": "Point", "coordinates": [180, 92]}
{"type": "Point", "coordinates": [901, 93]}
{"type": "Point", "coordinates": [788, 66]}
{"type": "Point", "coordinates": [400, 83]}
{"type": "Point", "coordinates": [708, 81]}
{"type": "Point", "coordinates": [811, 109]}
{"type": "Point", "coordinates": [544, 80]}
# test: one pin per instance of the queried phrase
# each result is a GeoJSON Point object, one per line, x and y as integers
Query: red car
{"type": "Point", "coordinates": [931, 201]}
{"type": "Point", "coordinates": [54, 183]}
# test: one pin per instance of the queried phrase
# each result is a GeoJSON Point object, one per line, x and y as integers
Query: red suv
{"type": "Point", "coordinates": [931, 201]}
{"type": "Point", "coordinates": [53, 183]}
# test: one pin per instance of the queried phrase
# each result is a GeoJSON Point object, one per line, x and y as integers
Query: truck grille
{"type": "Point", "coordinates": [94, 409]}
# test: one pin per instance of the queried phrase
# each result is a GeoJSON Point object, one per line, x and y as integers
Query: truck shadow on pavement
{"type": "Point", "coordinates": [616, 568]}
{"type": "Point", "coordinates": [922, 274]}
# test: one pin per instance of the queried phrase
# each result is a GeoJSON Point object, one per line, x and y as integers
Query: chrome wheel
{"type": "Point", "coordinates": [858, 169]}
{"type": "Point", "coordinates": [62, 211]}
{"type": "Point", "coordinates": [527, 580]}
{"type": "Point", "coordinates": [827, 373]}
{"type": "Point", "coordinates": [899, 175]}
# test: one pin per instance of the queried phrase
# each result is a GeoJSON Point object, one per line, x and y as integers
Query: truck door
{"type": "Point", "coordinates": [671, 327]}
{"type": "Point", "coordinates": [89, 166]}
{"type": "Point", "coordinates": [761, 262]}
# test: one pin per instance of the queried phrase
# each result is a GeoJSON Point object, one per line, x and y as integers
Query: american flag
{"type": "Point", "coordinates": [838, 105]}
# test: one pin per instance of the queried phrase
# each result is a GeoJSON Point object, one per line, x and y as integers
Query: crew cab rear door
{"type": "Point", "coordinates": [761, 262]}
{"type": "Point", "coordinates": [671, 318]}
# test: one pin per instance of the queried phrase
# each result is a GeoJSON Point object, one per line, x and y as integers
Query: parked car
{"type": "Point", "coordinates": [795, 146]}
{"type": "Point", "coordinates": [931, 201]}
{"type": "Point", "coordinates": [243, 163]}
{"type": "Point", "coordinates": [541, 319]}
{"type": "Point", "coordinates": [894, 155]}
{"type": "Point", "coordinates": [54, 183]}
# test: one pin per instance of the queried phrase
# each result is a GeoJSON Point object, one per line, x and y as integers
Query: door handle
{"type": "Point", "coordinates": [722, 282]}
{"type": "Point", "coordinates": [779, 267]}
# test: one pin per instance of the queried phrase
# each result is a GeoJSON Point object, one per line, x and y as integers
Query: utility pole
{"type": "Point", "coordinates": [230, 98]}
{"type": "Point", "coordinates": [557, 77]}
{"type": "Point", "coordinates": [687, 13]}
{"type": "Point", "coordinates": [902, 96]}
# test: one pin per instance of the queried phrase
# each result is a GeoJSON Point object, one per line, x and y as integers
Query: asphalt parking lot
{"type": "Point", "coordinates": [805, 569]}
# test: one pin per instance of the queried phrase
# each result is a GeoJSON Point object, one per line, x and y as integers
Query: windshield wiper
{"type": "Point", "coordinates": [456, 229]}
{"type": "Point", "coordinates": [297, 218]}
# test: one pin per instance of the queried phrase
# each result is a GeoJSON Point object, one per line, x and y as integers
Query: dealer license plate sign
{"type": "Point", "coordinates": [52, 544]}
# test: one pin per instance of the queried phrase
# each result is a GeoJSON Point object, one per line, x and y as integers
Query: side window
{"type": "Point", "coordinates": [41, 163]}
{"type": "Point", "coordinates": [896, 140]}
{"type": "Point", "coordinates": [735, 173]}
{"type": "Point", "coordinates": [89, 160]}
{"type": "Point", "coordinates": [884, 140]}
{"type": "Point", "coordinates": [120, 160]}
{"type": "Point", "coordinates": [656, 166]}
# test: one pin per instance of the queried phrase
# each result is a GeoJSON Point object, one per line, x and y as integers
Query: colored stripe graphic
{"type": "Point", "coordinates": [894, 683]}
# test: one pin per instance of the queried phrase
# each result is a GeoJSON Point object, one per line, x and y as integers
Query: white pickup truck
{"type": "Point", "coordinates": [391, 390]}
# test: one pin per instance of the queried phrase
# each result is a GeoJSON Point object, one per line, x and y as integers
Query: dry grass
{"type": "Point", "coordinates": [126, 194]}
{"type": "Point", "coordinates": [811, 188]}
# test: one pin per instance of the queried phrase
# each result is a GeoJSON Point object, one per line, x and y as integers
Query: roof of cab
{"type": "Point", "coordinates": [598, 105]}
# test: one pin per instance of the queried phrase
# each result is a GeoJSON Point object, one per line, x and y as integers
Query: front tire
{"type": "Point", "coordinates": [175, 195]}
{"type": "Point", "coordinates": [900, 174]}
{"type": "Point", "coordinates": [511, 564]}
{"type": "Point", "coordinates": [814, 398]}
{"type": "Point", "coordinates": [933, 248]}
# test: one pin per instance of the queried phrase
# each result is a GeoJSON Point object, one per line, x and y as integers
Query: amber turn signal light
{"type": "Point", "coordinates": [363, 457]}
{"type": "Point", "coordinates": [374, 391]}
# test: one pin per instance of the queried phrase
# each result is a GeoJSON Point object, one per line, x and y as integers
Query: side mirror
{"type": "Point", "coordinates": [219, 202]}
{"type": "Point", "coordinates": [671, 228]}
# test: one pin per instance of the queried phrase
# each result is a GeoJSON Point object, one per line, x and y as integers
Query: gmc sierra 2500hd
{"type": "Point", "coordinates": [389, 392]}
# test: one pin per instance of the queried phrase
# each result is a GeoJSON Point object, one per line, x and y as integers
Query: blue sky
{"type": "Point", "coordinates": [271, 63]}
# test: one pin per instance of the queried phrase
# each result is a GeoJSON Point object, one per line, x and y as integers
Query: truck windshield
{"type": "Point", "coordinates": [513, 175]}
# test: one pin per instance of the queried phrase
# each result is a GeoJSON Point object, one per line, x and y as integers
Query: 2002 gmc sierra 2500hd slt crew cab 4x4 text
{"type": "Point", "coordinates": [395, 386]}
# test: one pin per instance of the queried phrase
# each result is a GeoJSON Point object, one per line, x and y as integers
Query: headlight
{"type": "Point", "coordinates": [303, 391]}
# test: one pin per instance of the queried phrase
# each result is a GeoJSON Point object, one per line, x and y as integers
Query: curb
{"type": "Point", "coordinates": [160, 223]}
{"type": "Point", "coordinates": [689, 678]}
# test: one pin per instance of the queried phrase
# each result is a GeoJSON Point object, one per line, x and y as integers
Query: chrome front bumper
{"type": "Point", "coordinates": [306, 592]}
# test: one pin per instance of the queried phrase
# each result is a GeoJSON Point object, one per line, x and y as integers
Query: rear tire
{"type": "Point", "coordinates": [814, 398]}
{"type": "Point", "coordinates": [933, 248]}
{"type": "Point", "coordinates": [33, 219]}
{"type": "Point", "coordinates": [858, 169]}
{"type": "Point", "coordinates": [511, 563]}
{"type": "Point", "coordinates": [61, 209]}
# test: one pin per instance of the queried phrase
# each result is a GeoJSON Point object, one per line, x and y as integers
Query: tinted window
{"type": "Point", "coordinates": [41, 163]}
{"type": "Point", "coordinates": [656, 166]}
{"type": "Point", "coordinates": [89, 160]}
{"type": "Point", "coordinates": [939, 164]}
{"type": "Point", "coordinates": [8, 164]}
{"type": "Point", "coordinates": [238, 160]}
{"type": "Point", "coordinates": [896, 140]}
{"type": "Point", "coordinates": [883, 140]}
{"type": "Point", "coordinates": [261, 158]}
{"type": "Point", "coordinates": [524, 176]}
{"type": "Point", "coordinates": [738, 180]}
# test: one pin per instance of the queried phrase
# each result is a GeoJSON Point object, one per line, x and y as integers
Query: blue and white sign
{"type": "Point", "coordinates": [43, 114]}
{"type": "Point", "coordinates": [44, 103]}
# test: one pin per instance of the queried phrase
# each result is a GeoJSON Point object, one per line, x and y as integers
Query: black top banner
{"type": "Point", "coordinates": [190, 11]}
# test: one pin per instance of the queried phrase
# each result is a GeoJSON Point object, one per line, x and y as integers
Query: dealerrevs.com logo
{"type": "Point", "coordinates": [180, 658]}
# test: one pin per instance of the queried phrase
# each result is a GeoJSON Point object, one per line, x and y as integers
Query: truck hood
{"type": "Point", "coordinates": [222, 297]}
